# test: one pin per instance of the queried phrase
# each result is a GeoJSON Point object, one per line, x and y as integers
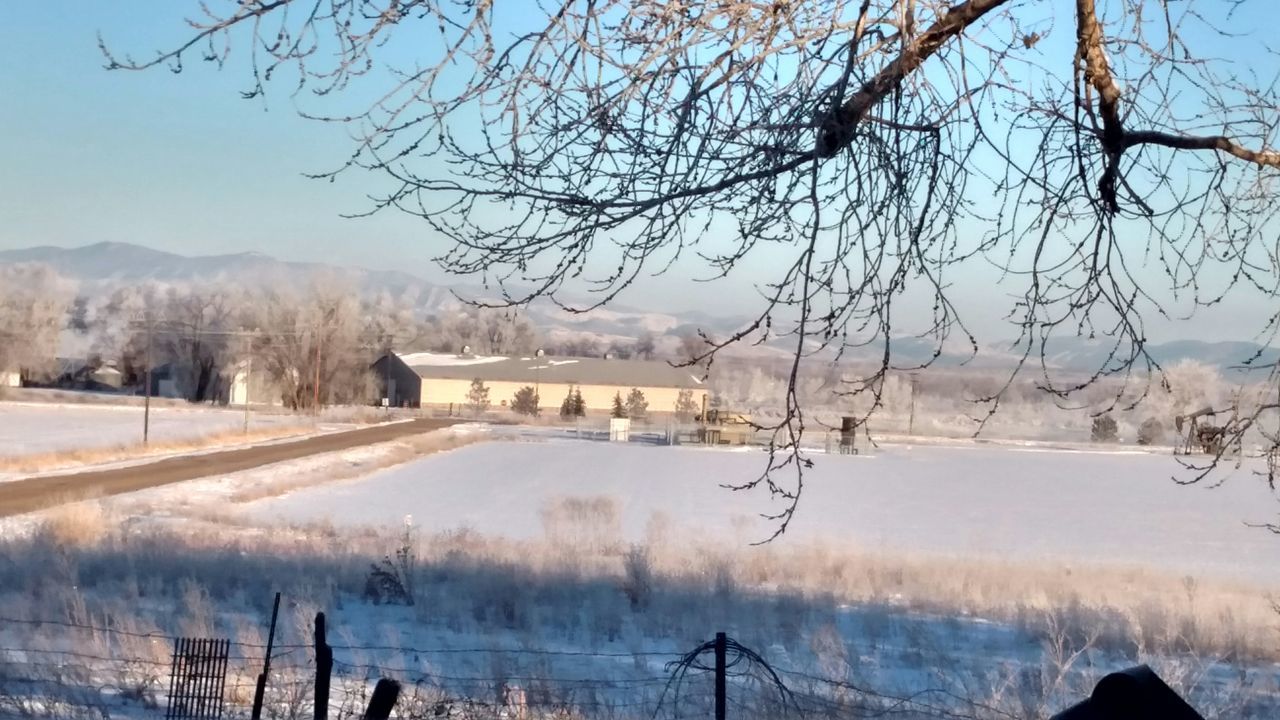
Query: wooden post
{"type": "Point", "coordinates": [721, 673]}
{"type": "Point", "coordinates": [385, 694]}
{"type": "Point", "coordinates": [146, 403]}
{"type": "Point", "coordinates": [260, 691]}
{"type": "Point", "coordinates": [324, 670]}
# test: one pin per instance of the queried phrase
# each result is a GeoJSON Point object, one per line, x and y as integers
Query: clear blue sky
{"type": "Point", "coordinates": [182, 163]}
{"type": "Point", "coordinates": [176, 162]}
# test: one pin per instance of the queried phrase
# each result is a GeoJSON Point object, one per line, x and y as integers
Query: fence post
{"type": "Point", "coordinates": [324, 669]}
{"type": "Point", "coordinates": [260, 691]}
{"type": "Point", "coordinates": [721, 671]}
{"type": "Point", "coordinates": [385, 694]}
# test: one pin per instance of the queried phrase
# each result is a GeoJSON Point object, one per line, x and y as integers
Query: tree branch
{"type": "Point", "coordinates": [837, 130]}
{"type": "Point", "coordinates": [1264, 158]}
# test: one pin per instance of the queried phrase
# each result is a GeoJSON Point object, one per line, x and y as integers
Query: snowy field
{"type": "Point", "coordinates": [1027, 505]}
{"type": "Point", "coordinates": [28, 429]}
{"type": "Point", "coordinates": [876, 603]}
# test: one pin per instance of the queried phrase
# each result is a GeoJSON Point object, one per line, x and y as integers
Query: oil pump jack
{"type": "Point", "coordinates": [1200, 435]}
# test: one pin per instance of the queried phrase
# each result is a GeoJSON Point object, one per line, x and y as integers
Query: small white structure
{"type": "Point", "coordinates": [619, 429]}
{"type": "Point", "coordinates": [10, 378]}
{"type": "Point", "coordinates": [108, 375]}
{"type": "Point", "coordinates": [253, 386]}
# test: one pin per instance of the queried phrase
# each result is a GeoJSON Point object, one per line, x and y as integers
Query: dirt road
{"type": "Point", "coordinates": [22, 496]}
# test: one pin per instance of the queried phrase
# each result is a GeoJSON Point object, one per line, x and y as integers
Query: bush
{"type": "Point", "coordinates": [391, 582]}
{"type": "Point", "coordinates": [1151, 432]}
{"type": "Point", "coordinates": [78, 524]}
{"type": "Point", "coordinates": [525, 401]}
{"type": "Point", "coordinates": [1104, 429]}
{"type": "Point", "coordinates": [637, 584]}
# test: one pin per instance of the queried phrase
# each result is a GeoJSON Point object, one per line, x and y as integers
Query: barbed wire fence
{"type": "Point", "coordinates": [73, 670]}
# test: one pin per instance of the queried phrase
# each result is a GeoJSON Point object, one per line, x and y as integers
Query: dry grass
{"type": "Point", "coordinates": [1127, 609]}
{"type": "Point", "coordinates": [1130, 608]}
{"type": "Point", "coordinates": [673, 587]}
{"type": "Point", "coordinates": [79, 397]}
{"type": "Point", "coordinates": [79, 457]}
{"type": "Point", "coordinates": [78, 522]}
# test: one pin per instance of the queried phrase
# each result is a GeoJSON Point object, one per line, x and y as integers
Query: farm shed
{"type": "Point", "coordinates": [441, 380]}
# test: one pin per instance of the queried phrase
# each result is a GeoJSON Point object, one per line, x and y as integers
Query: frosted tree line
{"type": "Point", "coordinates": [314, 341]}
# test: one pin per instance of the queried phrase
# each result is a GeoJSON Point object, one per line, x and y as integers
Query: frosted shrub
{"type": "Point", "coordinates": [637, 582]}
{"type": "Point", "coordinates": [78, 524]}
{"type": "Point", "coordinates": [392, 580]}
{"type": "Point", "coordinates": [588, 524]}
{"type": "Point", "coordinates": [1151, 432]}
{"type": "Point", "coordinates": [1104, 429]}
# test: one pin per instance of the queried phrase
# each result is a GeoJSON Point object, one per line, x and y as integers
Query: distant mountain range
{"type": "Point", "coordinates": [104, 265]}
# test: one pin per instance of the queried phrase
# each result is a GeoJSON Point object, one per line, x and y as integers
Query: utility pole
{"type": "Point", "coordinates": [146, 403]}
{"type": "Point", "coordinates": [248, 377]}
{"type": "Point", "coordinates": [911, 419]}
{"type": "Point", "coordinates": [387, 377]}
{"type": "Point", "coordinates": [537, 378]}
{"type": "Point", "coordinates": [315, 401]}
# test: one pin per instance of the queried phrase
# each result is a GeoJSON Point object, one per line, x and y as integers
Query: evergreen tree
{"type": "Point", "coordinates": [1105, 429]}
{"type": "Point", "coordinates": [686, 408]}
{"type": "Point", "coordinates": [478, 397]}
{"type": "Point", "coordinates": [525, 401]}
{"type": "Point", "coordinates": [78, 316]}
{"type": "Point", "coordinates": [637, 405]}
{"type": "Point", "coordinates": [566, 406]}
{"type": "Point", "coordinates": [619, 409]}
{"type": "Point", "coordinates": [579, 405]}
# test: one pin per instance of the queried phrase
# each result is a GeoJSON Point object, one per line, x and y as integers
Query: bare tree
{"type": "Point", "coordinates": [645, 347]}
{"type": "Point", "coordinates": [876, 146]}
{"type": "Point", "coordinates": [116, 329]}
{"type": "Point", "coordinates": [194, 332]}
{"type": "Point", "coordinates": [34, 301]}
{"type": "Point", "coordinates": [580, 346]}
{"type": "Point", "coordinates": [188, 326]}
{"type": "Point", "coordinates": [318, 344]}
{"type": "Point", "coordinates": [487, 331]}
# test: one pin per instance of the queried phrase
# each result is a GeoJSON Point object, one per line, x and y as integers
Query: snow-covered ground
{"type": "Point", "coordinates": [31, 428]}
{"type": "Point", "coordinates": [1008, 503]}
{"type": "Point", "coordinates": [557, 622]}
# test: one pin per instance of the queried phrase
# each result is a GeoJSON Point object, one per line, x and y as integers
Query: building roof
{"type": "Point", "coordinates": [575, 371]}
{"type": "Point", "coordinates": [73, 365]}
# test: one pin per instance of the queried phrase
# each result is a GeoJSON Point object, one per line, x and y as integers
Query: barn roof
{"type": "Point", "coordinates": [576, 371]}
